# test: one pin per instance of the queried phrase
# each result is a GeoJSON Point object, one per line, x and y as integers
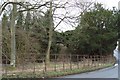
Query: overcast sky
{"type": "Point", "coordinates": [106, 3]}
{"type": "Point", "coordinates": [109, 3]}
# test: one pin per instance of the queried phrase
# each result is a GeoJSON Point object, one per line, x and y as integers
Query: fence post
{"type": "Point", "coordinates": [63, 62]}
{"type": "Point", "coordinates": [45, 66]}
{"type": "Point", "coordinates": [23, 64]}
{"type": "Point", "coordinates": [96, 59]}
{"type": "Point", "coordinates": [45, 69]}
{"type": "Point", "coordinates": [91, 61]}
{"type": "Point", "coordinates": [55, 62]}
{"type": "Point", "coordinates": [87, 61]}
{"type": "Point", "coordinates": [34, 59]}
{"type": "Point", "coordinates": [106, 59]}
{"type": "Point", "coordinates": [99, 60]}
{"type": "Point", "coordinates": [109, 59]}
{"type": "Point", "coordinates": [78, 61]}
{"type": "Point", "coordinates": [70, 62]}
{"type": "Point", "coordinates": [6, 67]}
{"type": "Point", "coordinates": [102, 60]}
{"type": "Point", "coordinates": [83, 60]}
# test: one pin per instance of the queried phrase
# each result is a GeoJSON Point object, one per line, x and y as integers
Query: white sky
{"type": "Point", "coordinates": [107, 4]}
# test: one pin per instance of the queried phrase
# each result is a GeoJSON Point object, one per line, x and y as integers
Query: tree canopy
{"type": "Point", "coordinates": [95, 34]}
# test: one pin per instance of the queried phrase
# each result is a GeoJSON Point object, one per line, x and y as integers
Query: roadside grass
{"type": "Point", "coordinates": [51, 74]}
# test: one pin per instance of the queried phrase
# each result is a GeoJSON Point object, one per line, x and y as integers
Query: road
{"type": "Point", "coordinates": [111, 72]}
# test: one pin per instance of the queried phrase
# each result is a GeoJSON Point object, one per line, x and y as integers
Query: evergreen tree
{"type": "Point", "coordinates": [96, 33]}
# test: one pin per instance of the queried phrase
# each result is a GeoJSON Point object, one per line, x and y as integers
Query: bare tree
{"type": "Point", "coordinates": [12, 24]}
{"type": "Point", "coordinates": [13, 40]}
{"type": "Point", "coordinates": [53, 7]}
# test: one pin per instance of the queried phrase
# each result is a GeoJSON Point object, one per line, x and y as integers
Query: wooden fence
{"type": "Point", "coordinates": [36, 65]}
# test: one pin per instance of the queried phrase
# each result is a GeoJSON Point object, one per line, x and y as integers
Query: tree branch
{"type": "Point", "coordinates": [2, 8]}
{"type": "Point", "coordinates": [34, 7]}
{"type": "Point", "coordinates": [59, 22]}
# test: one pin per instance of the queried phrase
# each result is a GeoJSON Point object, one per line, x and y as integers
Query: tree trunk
{"type": "Point", "coordinates": [50, 35]}
{"type": "Point", "coordinates": [0, 51]}
{"type": "Point", "coordinates": [13, 41]}
{"type": "Point", "coordinates": [0, 47]}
